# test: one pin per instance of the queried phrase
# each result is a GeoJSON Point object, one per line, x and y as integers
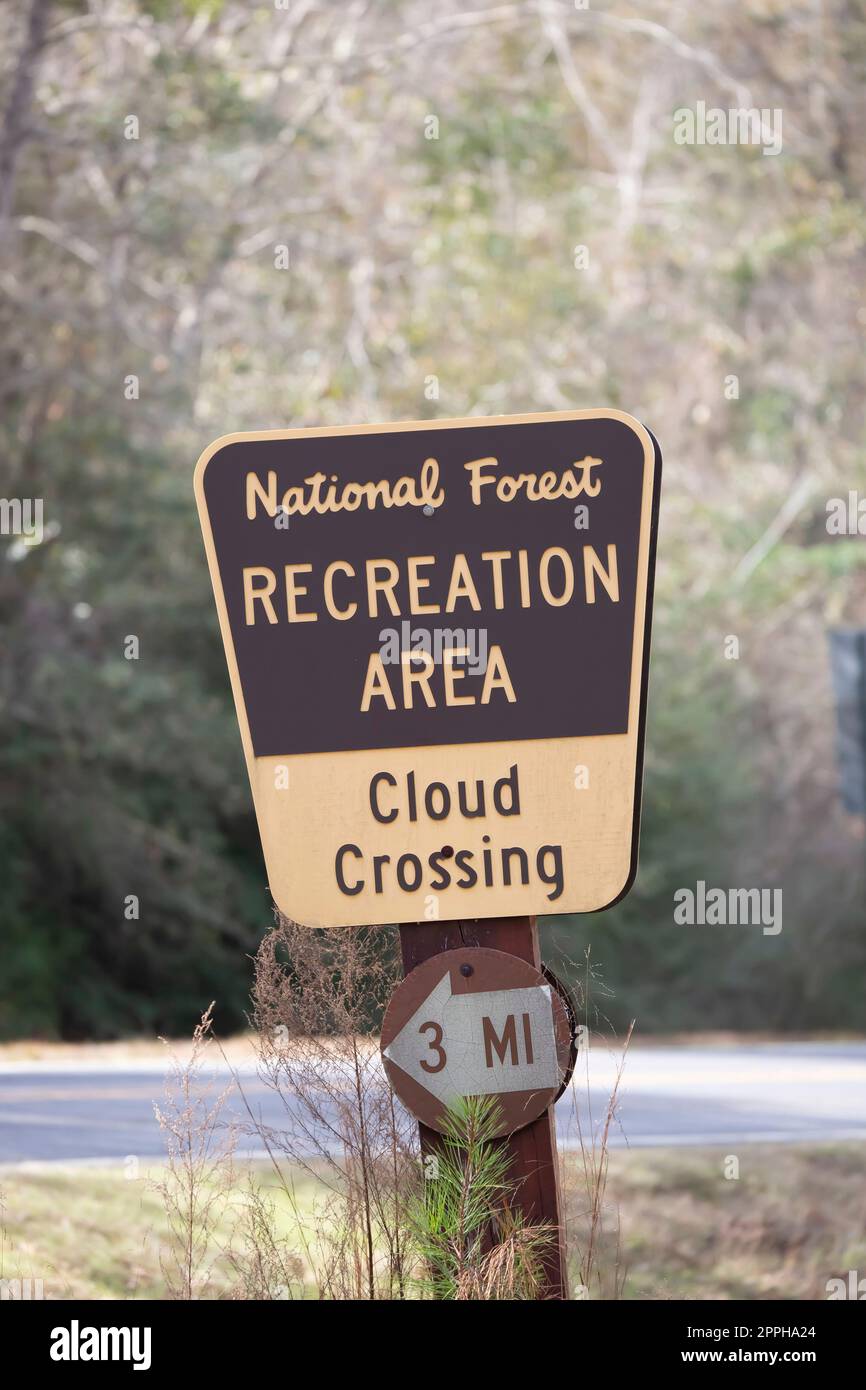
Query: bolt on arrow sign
{"type": "Point", "coordinates": [499, 1030]}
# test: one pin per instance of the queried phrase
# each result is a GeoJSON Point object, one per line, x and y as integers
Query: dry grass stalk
{"type": "Point", "coordinates": [597, 1264]}
{"type": "Point", "coordinates": [199, 1174]}
{"type": "Point", "coordinates": [267, 1266]}
{"type": "Point", "coordinates": [319, 997]}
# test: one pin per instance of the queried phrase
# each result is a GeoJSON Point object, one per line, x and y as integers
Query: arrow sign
{"type": "Point", "coordinates": [486, 1043]}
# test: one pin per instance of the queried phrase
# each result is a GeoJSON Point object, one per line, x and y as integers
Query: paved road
{"type": "Point", "coordinates": [676, 1095]}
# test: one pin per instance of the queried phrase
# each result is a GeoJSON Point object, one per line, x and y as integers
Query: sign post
{"type": "Point", "coordinates": [534, 1166]}
{"type": "Point", "coordinates": [438, 635]}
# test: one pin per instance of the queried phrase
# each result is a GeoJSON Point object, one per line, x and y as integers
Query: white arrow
{"type": "Point", "coordinates": [479, 1044]}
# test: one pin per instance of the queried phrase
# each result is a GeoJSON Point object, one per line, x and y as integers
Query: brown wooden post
{"type": "Point", "coordinates": [534, 1161]}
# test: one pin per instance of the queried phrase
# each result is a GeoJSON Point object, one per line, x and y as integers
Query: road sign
{"type": "Point", "coordinates": [476, 1022]}
{"type": "Point", "coordinates": [437, 636]}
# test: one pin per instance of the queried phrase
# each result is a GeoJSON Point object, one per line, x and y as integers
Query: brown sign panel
{"type": "Point", "coordinates": [437, 636]}
{"type": "Point", "coordinates": [476, 1022]}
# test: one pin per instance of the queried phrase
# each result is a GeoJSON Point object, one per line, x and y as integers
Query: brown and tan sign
{"type": "Point", "coordinates": [437, 638]}
{"type": "Point", "coordinates": [476, 1022]}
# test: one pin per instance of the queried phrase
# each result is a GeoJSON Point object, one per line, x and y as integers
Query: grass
{"type": "Point", "coordinates": [794, 1218]}
{"type": "Point", "coordinates": [94, 1233]}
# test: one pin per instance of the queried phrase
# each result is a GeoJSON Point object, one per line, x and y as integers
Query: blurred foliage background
{"type": "Point", "coordinates": [420, 250]}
